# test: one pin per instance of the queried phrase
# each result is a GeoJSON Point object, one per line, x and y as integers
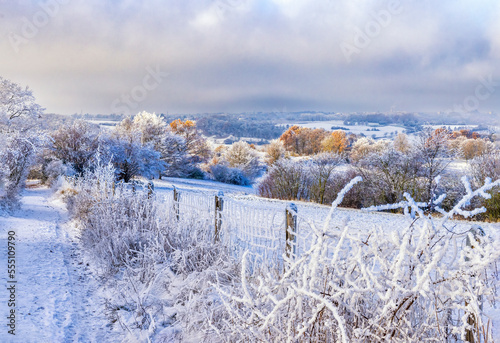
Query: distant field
{"type": "Point", "coordinates": [453, 127]}
{"type": "Point", "coordinates": [385, 131]}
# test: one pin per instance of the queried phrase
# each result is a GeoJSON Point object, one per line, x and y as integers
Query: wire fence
{"type": "Point", "coordinates": [267, 229]}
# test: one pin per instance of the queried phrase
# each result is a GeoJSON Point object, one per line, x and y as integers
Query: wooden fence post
{"type": "Point", "coordinates": [176, 203]}
{"type": "Point", "coordinates": [291, 231]}
{"type": "Point", "coordinates": [476, 232]}
{"type": "Point", "coordinates": [219, 205]}
{"type": "Point", "coordinates": [151, 188]}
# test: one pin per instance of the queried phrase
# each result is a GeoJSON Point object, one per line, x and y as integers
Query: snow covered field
{"type": "Point", "coordinates": [168, 184]}
{"type": "Point", "coordinates": [384, 131]}
{"type": "Point", "coordinates": [261, 220]}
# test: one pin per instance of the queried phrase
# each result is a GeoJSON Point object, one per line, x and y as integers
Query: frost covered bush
{"type": "Point", "coordinates": [316, 179]}
{"type": "Point", "coordinates": [338, 180]}
{"type": "Point", "coordinates": [321, 174]}
{"type": "Point", "coordinates": [488, 166]}
{"type": "Point", "coordinates": [238, 165]}
{"type": "Point", "coordinates": [241, 156]}
{"type": "Point", "coordinates": [420, 283]}
{"type": "Point", "coordinates": [75, 145]}
{"type": "Point", "coordinates": [286, 179]}
{"type": "Point", "coordinates": [56, 169]}
{"type": "Point", "coordinates": [130, 158]}
{"type": "Point", "coordinates": [229, 175]}
{"type": "Point", "coordinates": [366, 146]}
{"type": "Point", "coordinates": [156, 271]}
{"type": "Point", "coordinates": [84, 193]}
{"type": "Point", "coordinates": [388, 174]}
{"type": "Point", "coordinates": [17, 154]}
{"type": "Point", "coordinates": [274, 151]}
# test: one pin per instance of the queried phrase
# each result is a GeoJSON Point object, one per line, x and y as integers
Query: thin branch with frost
{"type": "Point", "coordinates": [374, 285]}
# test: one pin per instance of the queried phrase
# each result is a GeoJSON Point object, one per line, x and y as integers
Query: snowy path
{"type": "Point", "coordinates": [54, 293]}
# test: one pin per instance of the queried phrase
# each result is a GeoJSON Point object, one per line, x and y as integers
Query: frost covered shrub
{"type": "Point", "coordinates": [285, 179]}
{"type": "Point", "coordinates": [321, 174]}
{"type": "Point", "coordinates": [75, 144]}
{"type": "Point", "coordinates": [488, 166]}
{"type": "Point", "coordinates": [229, 175]}
{"type": "Point", "coordinates": [48, 171]}
{"type": "Point", "coordinates": [239, 164]}
{"type": "Point", "coordinates": [316, 179]}
{"type": "Point", "coordinates": [157, 272]}
{"type": "Point", "coordinates": [412, 285]}
{"type": "Point", "coordinates": [388, 174]}
{"type": "Point", "coordinates": [338, 180]}
{"type": "Point", "coordinates": [18, 154]}
{"type": "Point", "coordinates": [130, 158]}
{"type": "Point", "coordinates": [274, 151]}
{"type": "Point", "coordinates": [83, 194]}
{"type": "Point", "coordinates": [56, 169]}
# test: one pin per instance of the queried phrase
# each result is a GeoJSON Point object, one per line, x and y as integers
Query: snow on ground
{"type": "Point", "coordinates": [54, 293]}
{"type": "Point", "coordinates": [359, 220]}
{"type": "Point", "coordinates": [168, 183]}
{"type": "Point", "coordinates": [452, 127]}
{"type": "Point", "coordinates": [246, 195]}
{"type": "Point", "coordinates": [356, 129]}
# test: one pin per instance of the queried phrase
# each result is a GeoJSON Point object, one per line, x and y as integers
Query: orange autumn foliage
{"type": "Point", "coordinates": [336, 142]}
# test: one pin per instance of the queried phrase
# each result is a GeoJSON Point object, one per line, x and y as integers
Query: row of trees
{"type": "Point", "coordinates": [389, 170]}
{"type": "Point", "coordinates": [305, 141]}
{"type": "Point", "coordinates": [298, 140]}
{"type": "Point", "coordinates": [145, 145]}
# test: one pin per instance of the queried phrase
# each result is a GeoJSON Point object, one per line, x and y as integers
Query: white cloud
{"type": "Point", "coordinates": [249, 50]}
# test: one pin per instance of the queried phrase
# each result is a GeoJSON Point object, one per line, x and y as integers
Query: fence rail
{"type": "Point", "coordinates": [267, 231]}
{"type": "Point", "coordinates": [271, 229]}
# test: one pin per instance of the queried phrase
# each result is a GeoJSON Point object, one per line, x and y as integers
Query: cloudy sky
{"type": "Point", "coordinates": [187, 56]}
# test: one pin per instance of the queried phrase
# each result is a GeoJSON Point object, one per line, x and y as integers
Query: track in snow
{"type": "Point", "coordinates": [54, 291]}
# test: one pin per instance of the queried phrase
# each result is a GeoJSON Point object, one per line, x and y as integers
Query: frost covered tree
{"type": "Point", "coordinates": [240, 155]}
{"type": "Point", "coordinates": [75, 144]}
{"type": "Point", "coordinates": [321, 169]}
{"type": "Point", "coordinates": [401, 143]}
{"type": "Point", "coordinates": [21, 140]}
{"type": "Point", "coordinates": [17, 156]}
{"type": "Point", "coordinates": [303, 141]}
{"type": "Point", "coordinates": [196, 145]}
{"type": "Point", "coordinates": [365, 146]}
{"type": "Point", "coordinates": [174, 153]}
{"type": "Point", "coordinates": [471, 148]}
{"type": "Point", "coordinates": [432, 149]}
{"type": "Point", "coordinates": [274, 151]}
{"type": "Point", "coordinates": [151, 127]}
{"type": "Point", "coordinates": [336, 142]}
{"type": "Point", "coordinates": [123, 146]}
{"type": "Point", "coordinates": [483, 167]}
{"type": "Point", "coordinates": [16, 101]}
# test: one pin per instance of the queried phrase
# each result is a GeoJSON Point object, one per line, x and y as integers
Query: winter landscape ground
{"type": "Point", "coordinates": [57, 293]}
{"type": "Point", "coordinates": [56, 299]}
